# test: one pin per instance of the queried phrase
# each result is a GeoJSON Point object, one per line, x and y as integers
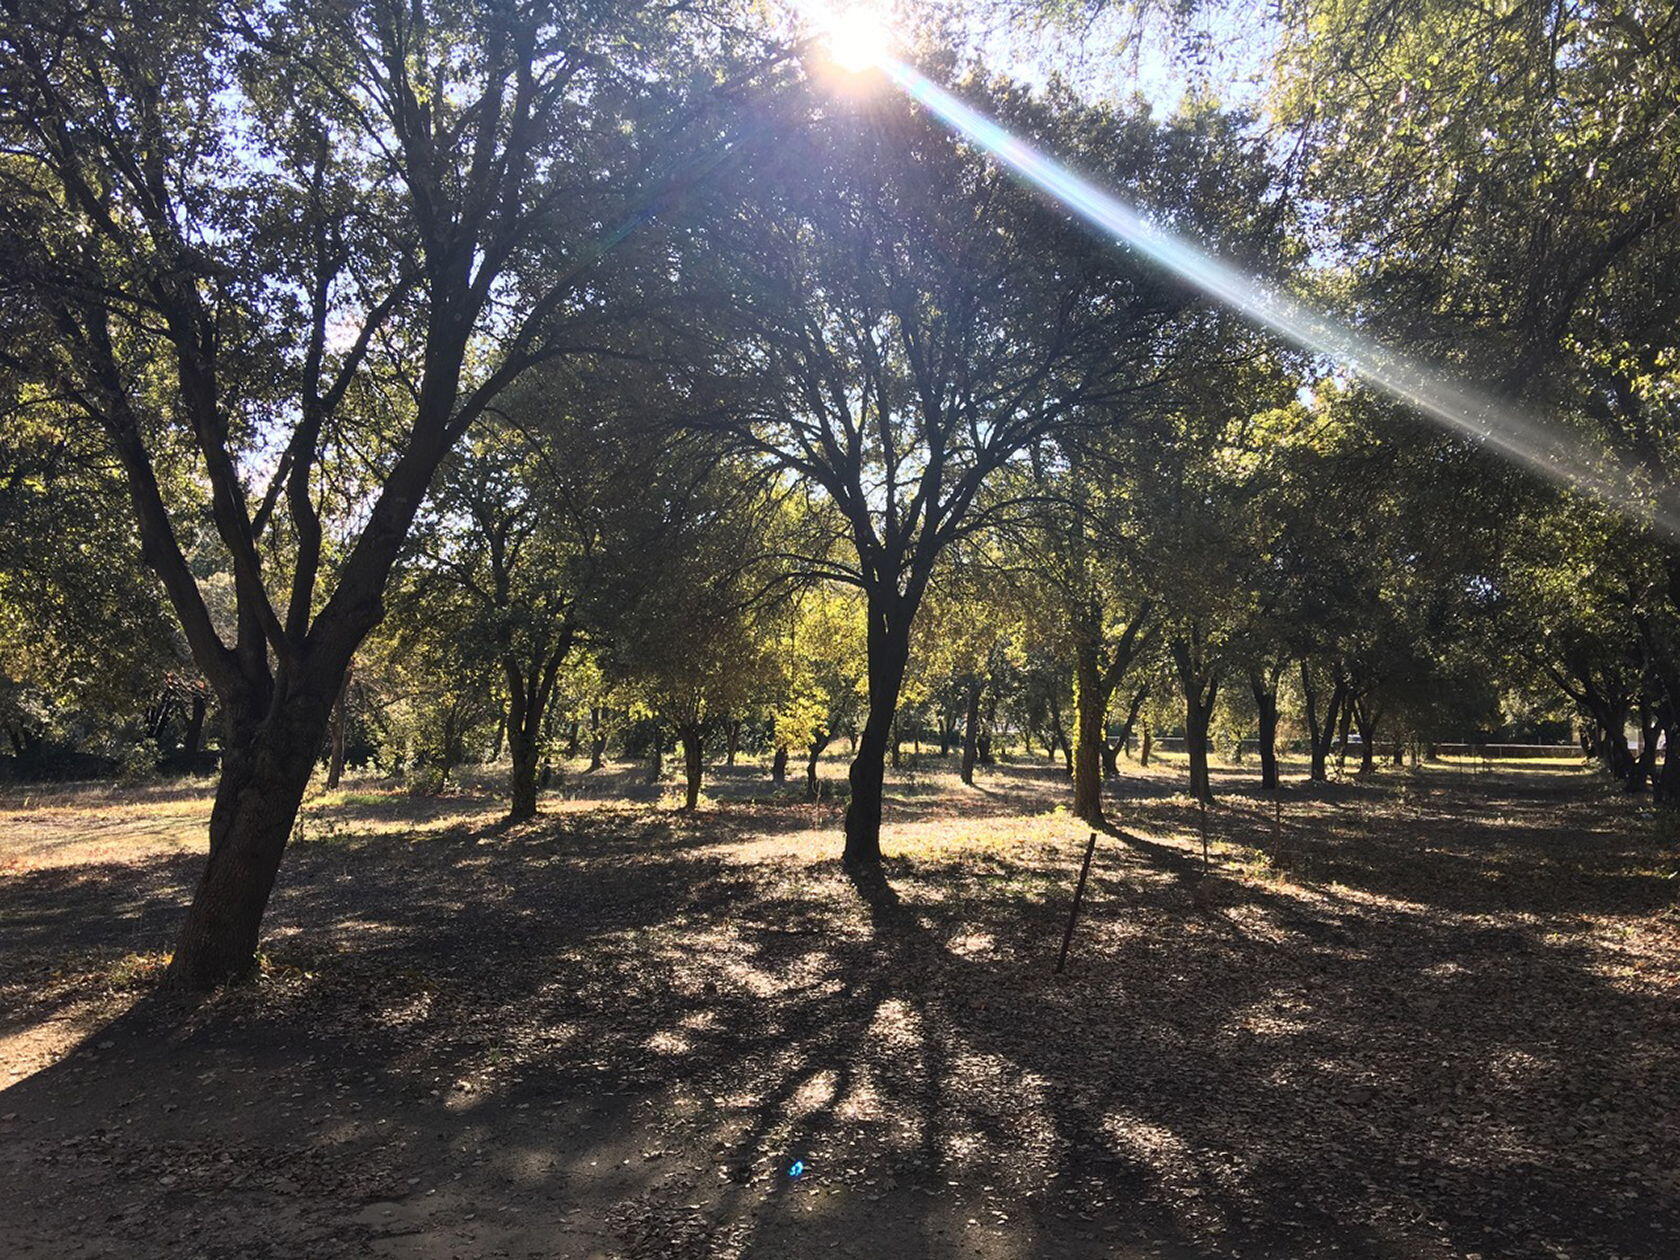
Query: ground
{"type": "Point", "coordinates": [1431, 1015]}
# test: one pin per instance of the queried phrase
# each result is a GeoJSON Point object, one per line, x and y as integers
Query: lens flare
{"type": "Point", "coordinates": [1552, 453]}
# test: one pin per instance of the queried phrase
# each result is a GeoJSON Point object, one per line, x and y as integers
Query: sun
{"type": "Point", "coordinates": [856, 38]}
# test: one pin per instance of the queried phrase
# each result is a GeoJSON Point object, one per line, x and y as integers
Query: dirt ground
{"type": "Point", "coordinates": [1433, 1015]}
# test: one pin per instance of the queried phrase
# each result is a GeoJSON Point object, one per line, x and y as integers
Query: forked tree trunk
{"type": "Point", "coordinates": [1199, 683]}
{"type": "Point", "coordinates": [811, 784]}
{"type": "Point", "coordinates": [530, 689]}
{"type": "Point", "coordinates": [1320, 728]}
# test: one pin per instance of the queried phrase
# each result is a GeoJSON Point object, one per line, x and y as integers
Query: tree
{"type": "Point", "coordinates": [311, 246]}
{"type": "Point", "coordinates": [909, 320]}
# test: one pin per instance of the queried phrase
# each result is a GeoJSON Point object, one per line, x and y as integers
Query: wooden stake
{"type": "Point", "coordinates": [1078, 895]}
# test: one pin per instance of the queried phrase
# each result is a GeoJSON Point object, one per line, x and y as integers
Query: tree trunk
{"type": "Point", "coordinates": [1196, 721]}
{"type": "Point", "coordinates": [597, 739]}
{"type": "Point", "coordinates": [530, 688]}
{"type": "Point", "coordinates": [1147, 744]}
{"type": "Point", "coordinates": [335, 755]}
{"type": "Point", "coordinates": [971, 731]}
{"type": "Point", "coordinates": [1111, 759]}
{"type": "Point", "coordinates": [656, 762]}
{"type": "Point", "coordinates": [1366, 715]}
{"type": "Point", "coordinates": [1199, 683]}
{"type": "Point", "coordinates": [732, 731]}
{"type": "Point", "coordinates": [1264, 687]}
{"type": "Point", "coordinates": [266, 766]}
{"type": "Point", "coordinates": [192, 738]}
{"type": "Point", "coordinates": [888, 652]}
{"type": "Point", "coordinates": [1342, 736]}
{"type": "Point", "coordinates": [1090, 739]}
{"type": "Point", "coordinates": [1667, 787]}
{"type": "Point", "coordinates": [694, 766]}
{"type": "Point", "coordinates": [1320, 734]}
{"type": "Point", "coordinates": [778, 765]}
{"type": "Point", "coordinates": [811, 784]}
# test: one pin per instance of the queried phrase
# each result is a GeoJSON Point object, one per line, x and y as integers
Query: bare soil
{"type": "Point", "coordinates": [1432, 1015]}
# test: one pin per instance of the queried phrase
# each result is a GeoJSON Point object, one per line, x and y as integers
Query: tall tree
{"type": "Point", "coordinates": [298, 250]}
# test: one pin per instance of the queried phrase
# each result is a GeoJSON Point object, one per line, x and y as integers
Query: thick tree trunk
{"type": "Point", "coordinates": [888, 652]}
{"type": "Point", "coordinates": [971, 731]}
{"type": "Point", "coordinates": [694, 766]}
{"type": "Point", "coordinates": [265, 768]}
{"type": "Point", "coordinates": [522, 778]}
{"type": "Point", "coordinates": [778, 765]}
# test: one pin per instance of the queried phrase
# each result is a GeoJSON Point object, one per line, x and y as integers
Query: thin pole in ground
{"type": "Point", "coordinates": [1205, 862]}
{"type": "Point", "coordinates": [1078, 896]}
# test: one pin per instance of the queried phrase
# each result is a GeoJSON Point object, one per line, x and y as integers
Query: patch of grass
{"type": "Point", "coordinates": [136, 971]}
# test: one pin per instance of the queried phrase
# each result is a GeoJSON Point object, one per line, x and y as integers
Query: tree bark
{"type": "Point", "coordinates": [694, 766]}
{"type": "Point", "coordinates": [1366, 715]}
{"type": "Point", "coordinates": [1146, 746]}
{"type": "Point", "coordinates": [1199, 683]}
{"type": "Point", "coordinates": [335, 756]}
{"type": "Point", "coordinates": [1263, 684]}
{"type": "Point", "coordinates": [778, 765]}
{"type": "Point", "coordinates": [1090, 739]}
{"type": "Point", "coordinates": [812, 786]}
{"type": "Point", "coordinates": [597, 739]}
{"type": "Point", "coordinates": [192, 738]}
{"type": "Point", "coordinates": [888, 653]}
{"type": "Point", "coordinates": [971, 730]}
{"type": "Point", "coordinates": [265, 768]}
{"type": "Point", "coordinates": [1320, 733]}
